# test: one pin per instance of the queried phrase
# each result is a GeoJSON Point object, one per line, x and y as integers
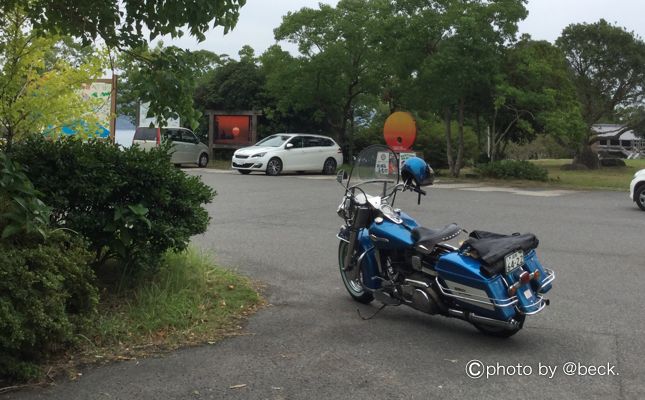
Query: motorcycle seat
{"type": "Point", "coordinates": [428, 237]}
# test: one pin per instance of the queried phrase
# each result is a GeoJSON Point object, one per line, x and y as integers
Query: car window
{"type": "Point", "coordinates": [145, 134]}
{"type": "Point", "coordinates": [172, 134]}
{"type": "Point", "coordinates": [327, 142]}
{"type": "Point", "coordinates": [188, 137]}
{"type": "Point", "coordinates": [298, 142]}
{"type": "Point", "coordinates": [273, 141]}
{"type": "Point", "coordinates": [313, 141]}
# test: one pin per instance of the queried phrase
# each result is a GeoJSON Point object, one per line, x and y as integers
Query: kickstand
{"type": "Point", "coordinates": [371, 316]}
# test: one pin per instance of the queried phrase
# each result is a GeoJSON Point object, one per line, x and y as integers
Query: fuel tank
{"type": "Point", "coordinates": [397, 236]}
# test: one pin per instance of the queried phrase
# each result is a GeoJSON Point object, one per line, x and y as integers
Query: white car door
{"type": "Point", "coordinates": [314, 153]}
{"type": "Point", "coordinates": [294, 155]}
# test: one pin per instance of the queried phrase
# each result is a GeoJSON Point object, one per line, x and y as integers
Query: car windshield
{"type": "Point", "coordinates": [273, 141]}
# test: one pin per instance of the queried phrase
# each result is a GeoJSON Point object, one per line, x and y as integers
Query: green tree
{"type": "Point", "coordinates": [125, 23]}
{"type": "Point", "coordinates": [608, 64]}
{"type": "Point", "coordinates": [39, 91]}
{"type": "Point", "coordinates": [534, 94]}
{"type": "Point", "coordinates": [234, 85]}
{"type": "Point", "coordinates": [167, 78]}
{"type": "Point", "coordinates": [460, 60]}
{"type": "Point", "coordinates": [337, 65]}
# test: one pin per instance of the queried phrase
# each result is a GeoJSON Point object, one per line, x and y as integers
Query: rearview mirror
{"type": "Point", "coordinates": [288, 146]}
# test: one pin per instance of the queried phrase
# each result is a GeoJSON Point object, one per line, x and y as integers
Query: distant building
{"type": "Point", "coordinates": [611, 142]}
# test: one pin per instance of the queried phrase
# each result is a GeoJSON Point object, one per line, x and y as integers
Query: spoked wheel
{"type": "Point", "coordinates": [352, 277]}
{"type": "Point", "coordinates": [499, 331]}
{"type": "Point", "coordinates": [329, 168]}
{"type": "Point", "coordinates": [274, 167]}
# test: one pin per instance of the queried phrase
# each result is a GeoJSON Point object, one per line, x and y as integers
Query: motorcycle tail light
{"type": "Point", "coordinates": [525, 277]}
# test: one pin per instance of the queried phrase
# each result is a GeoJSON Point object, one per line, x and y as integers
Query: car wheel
{"type": "Point", "coordinates": [203, 160]}
{"type": "Point", "coordinates": [329, 168]}
{"type": "Point", "coordinates": [639, 196]}
{"type": "Point", "coordinates": [274, 167]}
{"type": "Point", "coordinates": [244, 171]}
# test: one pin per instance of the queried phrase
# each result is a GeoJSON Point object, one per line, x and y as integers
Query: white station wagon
{"type": "Point", "coordinates": [289, 152]}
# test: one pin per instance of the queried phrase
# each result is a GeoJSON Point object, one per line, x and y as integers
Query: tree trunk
{"type": "Point", "coordinates": [587, 156]}
{"type": "Point", "coordinates": [460, 144]}
{"type": "Point", "coordinates": [447, 118]}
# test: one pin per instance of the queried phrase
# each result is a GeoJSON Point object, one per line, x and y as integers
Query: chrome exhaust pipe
{"type": "Point", "coordinates": [474, 318]}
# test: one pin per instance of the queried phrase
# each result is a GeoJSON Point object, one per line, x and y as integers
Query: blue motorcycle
{"type": "Point", "coordinates": [490, 280]}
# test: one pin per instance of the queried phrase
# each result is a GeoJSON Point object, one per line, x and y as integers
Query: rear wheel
{"type": "Point", "coordinates": [329, 167]}
{"type": "Point", "coordinates": [639, 196]}
{"type": "Point", "coordinates": [352, 277]}
{"type": "Point", "coordinates": [499, 331]}
{"type": "Point", "coordinates": [274, 167]}
{"type": "Point", "coordinates": [203, 160]}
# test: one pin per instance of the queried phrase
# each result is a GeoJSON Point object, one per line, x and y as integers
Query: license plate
{"type": "Point", "coordinates": [513, 261]}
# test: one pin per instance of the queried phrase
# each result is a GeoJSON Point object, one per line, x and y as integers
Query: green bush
{"type": "Point", "coordinates": [22, 213]}
{"type": "Point", "coordinates": [46, 296]}
{"type": "Point", "coordinates": [511, 169]}
{"type": "Point", "coordinates": [130, 204]}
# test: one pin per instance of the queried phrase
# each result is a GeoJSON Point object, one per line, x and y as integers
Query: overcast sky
{"type": "Point", "coordinates": [546, 20]}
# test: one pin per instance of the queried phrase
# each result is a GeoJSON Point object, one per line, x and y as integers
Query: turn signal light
{"type": "Point", "coordinates": [536, 275]}
{"type": "Point", "coordinates": [512, 290]}
{"type": "Point", "coordinates": [525, 277]}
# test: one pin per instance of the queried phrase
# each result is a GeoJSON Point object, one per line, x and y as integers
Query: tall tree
{"type": "Point", "coordinates": [337, 60]}
{"type": "Point", "coordinates": [534, 94]}
{"type": "Point", "coordinates": [608, 63]}
{"type": "Point", "coordinates": [38, 90]}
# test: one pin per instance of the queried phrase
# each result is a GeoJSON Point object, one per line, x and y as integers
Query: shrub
{"type": "Point", "coordinates": [46, 296]}
{"type": "Point", "coordinates": [22, 213]}
{"type": "Point", "coordinates": [510, 169]}
{"type": "Point", "coordinates": [130, 204]}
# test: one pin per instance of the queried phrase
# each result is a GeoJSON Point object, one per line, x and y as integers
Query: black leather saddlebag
{"type": "Point", "coordinates": [492, 247]}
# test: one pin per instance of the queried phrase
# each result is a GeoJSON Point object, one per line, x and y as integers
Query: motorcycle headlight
{"type": "Point", "coordinates": [259, 154]}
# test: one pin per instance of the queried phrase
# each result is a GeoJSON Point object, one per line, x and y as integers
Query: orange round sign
{"type": "Point", "coordinates": [400, 130]}
{"type": "Point", "coordinates": [236, 131]}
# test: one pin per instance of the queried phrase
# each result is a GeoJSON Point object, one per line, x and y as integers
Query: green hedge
{"type": "Point", "coordinates": [130, 204]}
{"type": "Point", "coordinates": [512, 169]}
{"type": "Point", "coordinates": [46, 296]}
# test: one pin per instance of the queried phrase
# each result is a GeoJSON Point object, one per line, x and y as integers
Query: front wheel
{"type": "Point", "coordinates": [352, 277]}
{"type": "Point", "coordinates": [501, 332]}
{"type": "Point", "coordinates": [274, 167]}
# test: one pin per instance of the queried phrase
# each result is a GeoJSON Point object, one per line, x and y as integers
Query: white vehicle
{"type": "Point", "coordinates": [637, 189]}
{"type": "Point", "coordinates": [289, 152]}
{"type": "Point", "coordinates": [186, 147]}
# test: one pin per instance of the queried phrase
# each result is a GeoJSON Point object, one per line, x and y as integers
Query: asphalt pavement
{"type": "Point", "coordinates": [310, 343]}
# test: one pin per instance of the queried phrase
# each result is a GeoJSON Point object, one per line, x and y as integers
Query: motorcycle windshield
{"type": "Point", "coordinates": [377, 166]}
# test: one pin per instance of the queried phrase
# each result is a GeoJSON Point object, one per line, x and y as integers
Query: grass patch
{"type": "Point", "coordinates": [190, 301]}
{"type": "Point", "coordinates": [615, 178]}
{"type": "Point", "coordinates": [219, 164]}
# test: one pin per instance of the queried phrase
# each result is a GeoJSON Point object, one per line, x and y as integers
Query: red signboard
{"type": "Point", "coordinates": [232, 129]}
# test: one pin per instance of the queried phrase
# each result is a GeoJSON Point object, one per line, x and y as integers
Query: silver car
{"type": "Point", "coordinates": [186, 147]}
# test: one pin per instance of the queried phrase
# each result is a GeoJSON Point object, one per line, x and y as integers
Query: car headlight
{"type": "Point", "coordinates": [259, 155]}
